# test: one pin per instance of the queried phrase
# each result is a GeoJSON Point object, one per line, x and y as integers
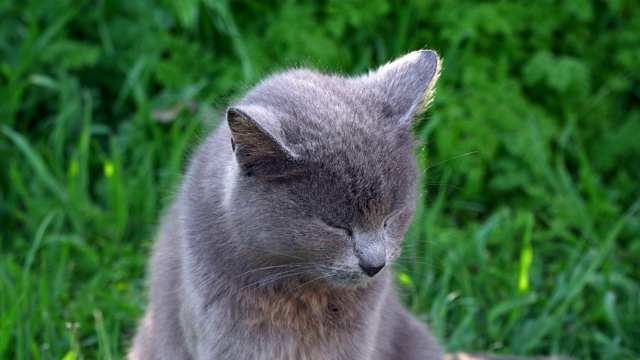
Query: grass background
{"type": "Point", "coordinates": [527, 238]}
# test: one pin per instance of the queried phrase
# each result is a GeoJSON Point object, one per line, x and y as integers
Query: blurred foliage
{"type": "Point", "coordinates": [544, 93]}
{"type": "Point", "coordinates": [516, 73]}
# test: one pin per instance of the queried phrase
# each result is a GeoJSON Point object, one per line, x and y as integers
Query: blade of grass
{"type": "Point", "coordinates": [36, 162]}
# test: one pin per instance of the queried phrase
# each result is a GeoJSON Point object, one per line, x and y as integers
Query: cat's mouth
{"type": "Point", "coordinates": [353, 273]}
{"type": "Point", "coordinates": [352, 279]}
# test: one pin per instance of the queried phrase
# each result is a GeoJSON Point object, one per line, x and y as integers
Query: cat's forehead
{"type": "Point", "coordinates": [307, 94]}
{"type": "Point", "coordinates": [318, 113]}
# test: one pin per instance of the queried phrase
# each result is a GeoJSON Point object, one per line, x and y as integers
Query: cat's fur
{"type": "Point", "coordinates": [274, 245]}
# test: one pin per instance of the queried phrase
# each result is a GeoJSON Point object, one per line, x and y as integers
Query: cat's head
{"type": "Point", "coordinates": [324, 176]}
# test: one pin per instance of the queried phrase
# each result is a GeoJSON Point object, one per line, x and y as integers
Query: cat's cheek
{"type": "Point", "coordinates": [394, 235]}
{"type": "Point", "coordinates": [397, 224]}
{"type": "Point", "coordinates": [393, 251]}
{"type": "Point", "coordinates": [393, 241]}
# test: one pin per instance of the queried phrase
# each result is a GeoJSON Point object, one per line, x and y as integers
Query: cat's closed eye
{"type": "Point", "coordinates": [341, 228]}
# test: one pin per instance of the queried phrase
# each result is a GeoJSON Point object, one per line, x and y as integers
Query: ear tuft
{"type": "Point", "coordinates": [255, 143]}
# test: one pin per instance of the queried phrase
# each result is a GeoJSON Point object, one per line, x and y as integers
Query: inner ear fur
{"type": "Point", "coordinates": [255, 143]}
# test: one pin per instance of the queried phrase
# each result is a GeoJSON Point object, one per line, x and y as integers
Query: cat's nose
{"type": "Point", "coordinates": [370, 251]}
{"type": "Point", "coordinates": [370, 269]}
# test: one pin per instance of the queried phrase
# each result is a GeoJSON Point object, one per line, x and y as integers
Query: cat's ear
{"type": "Point", "coordinates": [256, 143]}
{"type": "Point", "coordinates": [406, 85]}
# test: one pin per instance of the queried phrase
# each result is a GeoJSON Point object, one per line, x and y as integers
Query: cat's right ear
{"type": "Point", "coordinates": [256, 143]}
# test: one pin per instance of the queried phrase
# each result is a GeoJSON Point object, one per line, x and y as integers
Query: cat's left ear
{"type": "Point", "coordinates": [406, 85]}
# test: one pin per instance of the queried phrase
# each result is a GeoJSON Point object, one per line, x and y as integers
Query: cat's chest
{"type": "Point", "coordinates": [260, 339]}
{"type": "Point", "coordinates": [307, 318]}
{"type": "Point", "coordinates": [290, 328]}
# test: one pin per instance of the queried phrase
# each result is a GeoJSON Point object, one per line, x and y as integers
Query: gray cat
{"type": "Point", "coordinates": [280, 242]}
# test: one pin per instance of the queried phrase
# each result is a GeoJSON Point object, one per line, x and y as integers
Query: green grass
{"type": "Point", "coordinates": [526, 239]}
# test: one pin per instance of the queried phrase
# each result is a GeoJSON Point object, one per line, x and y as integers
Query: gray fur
{"type": "Point", "coordinates": [260, 255]}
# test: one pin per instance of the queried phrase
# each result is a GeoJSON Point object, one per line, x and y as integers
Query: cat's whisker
{"type": "Point", "coordinates": [277, 277]}
{"type": "Point", "coordinates": [431, 262]}
{"type": "Point", "coordinates": [413, 260]}
{"type": "Point", "coordinates": [267, 268]}
{"type": "Point", "coordinates": [321, 258]}
{"type": "Point", "coordinates": [310, 281]}
{"type": "Point", "coordinates": [292, 282]}
{"type": "Point", "coordinates": [433, 183]}
{"type": "Point", "coordinates": [265, 281]}
{"type": "Point", "coordinates": [416, 259]}
{"type": "Point", "coordinates": [279, 273]}
{"type": "Point", "coordinates": [452, 158]}
{"type": "Point", "coordinates": [264, 285]}
{"type": "Point", "coordinates": [409, 253]}
{"type": "Point", "coordinates": [269, 251]}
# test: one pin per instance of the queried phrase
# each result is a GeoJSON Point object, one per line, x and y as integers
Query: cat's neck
{"type": "Point", "coordinates": [295, 304]}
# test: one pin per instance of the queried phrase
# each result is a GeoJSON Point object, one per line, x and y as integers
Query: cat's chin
{"type": "Point", "coordinates": [351, 281]}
